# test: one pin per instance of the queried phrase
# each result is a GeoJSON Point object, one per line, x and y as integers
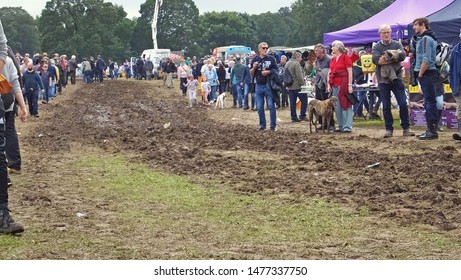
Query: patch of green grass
{"type": "Point", "coordinates": [368, 123]}
{"type": "Point", "coordinates": [245, 217]}
{"type": "Point", "coordinates": [164, 202]}
{"type": "Point", "coordinates": [9, 245]}
{"type": "Point", "coordinates": [375, 123]}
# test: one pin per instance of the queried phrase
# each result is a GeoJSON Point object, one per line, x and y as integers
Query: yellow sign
{"type": "Point", "coordinates": [413, 89]}
{"type": "Point", "coordinates": [447, 88]}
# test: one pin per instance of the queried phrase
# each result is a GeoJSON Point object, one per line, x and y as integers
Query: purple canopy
{"type": "Point", "coordinates": [398, 15]}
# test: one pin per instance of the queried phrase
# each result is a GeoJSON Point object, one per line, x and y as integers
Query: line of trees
{"type": "Point", "coordinates": [90, 27]}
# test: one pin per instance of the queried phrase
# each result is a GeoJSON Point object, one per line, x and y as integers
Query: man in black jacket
{"type": "Point", "coordinates": [100, 67]}
{"type": "Point", "coordinates": [170, 69]}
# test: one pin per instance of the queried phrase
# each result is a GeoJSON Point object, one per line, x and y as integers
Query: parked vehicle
{"type": "Point", "coordinates": [224, 52]}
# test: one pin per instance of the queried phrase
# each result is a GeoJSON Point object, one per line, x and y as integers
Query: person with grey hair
{"type": "Point", "coordinates": [72, 68]}
{"type": "Point", "coordinates": [294, 90]}
{"type": "Point", "coordinates": [340, 85]}
{"type": "Point", "coordinates": [386, 85]}
{"type": "Point", "coordinates": [322, 67]}
{"type": "Point", "coordinates": [281, 66]}
{"type": "Point", "coordinates": [262, 66]}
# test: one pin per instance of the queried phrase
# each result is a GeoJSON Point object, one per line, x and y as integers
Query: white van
{"type": "Point", "coordinates": [155, 55]}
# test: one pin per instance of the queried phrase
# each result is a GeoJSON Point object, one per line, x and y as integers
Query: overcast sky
{"type": "Point", "coordinates": [34, 7]}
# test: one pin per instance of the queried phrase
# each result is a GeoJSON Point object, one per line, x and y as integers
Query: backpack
{"type": "Point", "coordinates": [287, 78]}
{"type": "Point", "coordinates": [441, 54]}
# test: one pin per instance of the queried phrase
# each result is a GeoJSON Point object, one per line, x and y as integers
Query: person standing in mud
{"type": "Point", "coordinates": [261, 67]}
{"type": "Point", "coordinates": [322, 66]}
{"type": "Point", "coordinates": [427, 74]}
{"type": "Point", "coordinates": [7, 224]}
{"type": "Point", "coordinates": [387, 85]}
{"type": "Point", "coordinates": [100, 67]}
{"type": "Point", "coordinates": [170, 69]}
{"type": "Point", "coordinates": [73, 66]}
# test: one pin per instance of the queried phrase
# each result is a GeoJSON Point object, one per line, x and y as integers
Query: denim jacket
{"type": "Point", "coordinates": [455, 69]}
{"type": "Point", "coordinates": [425, 51]}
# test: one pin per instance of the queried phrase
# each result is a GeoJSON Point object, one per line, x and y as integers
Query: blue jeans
{"type": "Point", "coordinates": [222, 86]}
{"type": "Point", "coordinates": [294, 94]}
{"type": "Point", "coordinates": [32, 101]}
{"type": "Point", "coordinates": [212, 95]}
{"type": "Point", "coordinates": [45, 96]}
{"type": "Point", "coordinates": [265, 91]}
{"type": "Point", "coordinates": [246, 90]}
{"type": "Point", "coordinates": [345, 117]}
{"type": "Point", "coordinates": [52, 90]}
{"type": "Point", "coordinates": [362, 97]}
{"type": "Point", "coordinates": [398, 88]}
{"type": "Point", "coordinates": [234, 94]}
{"type": "Point", "coordinates": [427, 82]}
{"type": "Point", "coordinates": [87, 76]}
{"type": "Point", "coordinates": [239, 95]}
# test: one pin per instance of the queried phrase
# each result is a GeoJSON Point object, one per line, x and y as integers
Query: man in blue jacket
{"type": "Point", "coordinates": [427, 74]}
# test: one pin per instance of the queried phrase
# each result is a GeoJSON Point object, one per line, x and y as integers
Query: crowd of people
{"type": "Point", "coordinates": [333, 75]}
{"type": "Point", "coordinates": [264, 81]}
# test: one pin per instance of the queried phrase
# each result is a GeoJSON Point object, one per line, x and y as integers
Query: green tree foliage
{"type": "Point", "coordinates": [176, 26]}
{"type": "Point", "coordinates": [226, 28]}
{"type": "Point", "coordinates": [20, 29]}
{"type": "Point", "coordinates": [274, 28]}
{"type": "Point", "coordinates": [91, 27]}
{"type": "Point", "coordinates": [85, 28]}
{"type": "Point", "coordinates": [321, 16]}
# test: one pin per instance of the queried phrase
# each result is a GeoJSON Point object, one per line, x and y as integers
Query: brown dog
{"type": "Point", "coordinates": [324, 109]}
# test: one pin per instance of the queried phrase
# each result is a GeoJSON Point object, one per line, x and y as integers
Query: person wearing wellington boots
{"type": "Point", "coordinates": [427, 74]}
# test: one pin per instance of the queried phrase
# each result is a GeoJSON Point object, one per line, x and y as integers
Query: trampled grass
{"type": "Point", "coordinates": [212, 220]}
{"type": "Point", "coordinates": [134, 212]}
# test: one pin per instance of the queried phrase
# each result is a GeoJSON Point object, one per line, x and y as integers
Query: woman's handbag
{"type": "Point", "coordinates": [352, 98]}
{"type": "Point", "coordinates": [5, 86]}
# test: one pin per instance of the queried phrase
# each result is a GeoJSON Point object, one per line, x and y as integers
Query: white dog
{"type": "Point", "coordinates": [221, 101]}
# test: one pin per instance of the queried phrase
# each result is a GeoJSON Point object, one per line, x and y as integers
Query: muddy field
{"type": "Point", "coordinates": [416, 182]}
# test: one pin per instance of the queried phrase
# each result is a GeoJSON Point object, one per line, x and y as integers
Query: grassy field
{"type": "Point", "coordinates": [87, 201]}
{"type": "Point", "coordinates": [163, 216]}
